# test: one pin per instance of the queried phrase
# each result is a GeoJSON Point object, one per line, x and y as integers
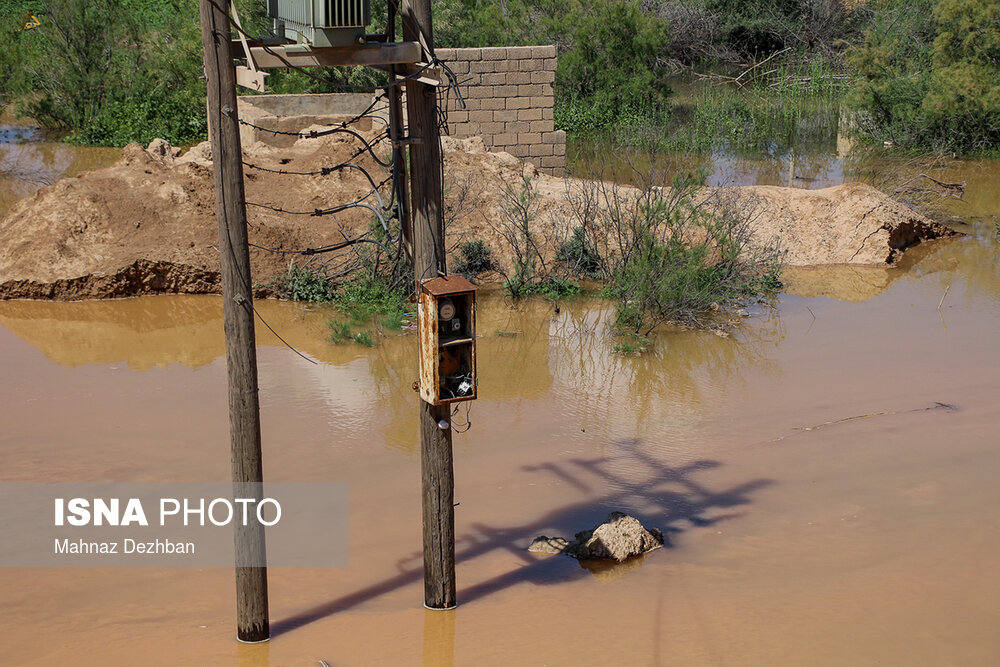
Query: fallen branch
{"type": "Point", "coordinates": [937, 405]}
{"type": "Point", "coordinates": [951, 188]}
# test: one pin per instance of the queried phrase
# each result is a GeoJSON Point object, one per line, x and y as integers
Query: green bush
{"type": "Point", "coordinates": [552, 288]}
{"type": "Point", "coordinates": [930, 74]}
{"type": "Point", "coordinates": [680, 257]}
{"type": "Point", "coordinates": [339, 331]}
{"type": "Point", "coordinates": [475, 258]}
{"type": "Point", "coordinates": [579, 255]}
{"type": "Point", "coordinates": [364, 297]}
{"type": "Point", "coordinates": [111, 71]}
{"type": "Point", "coordinates": [304, 284]}
{"type": "Point", "coordinates": [614, 67]}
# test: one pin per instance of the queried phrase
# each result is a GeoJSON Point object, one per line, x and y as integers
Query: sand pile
{"type": "Point", "coordinates": [147, 224]}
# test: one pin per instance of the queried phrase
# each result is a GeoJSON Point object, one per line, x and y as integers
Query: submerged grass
{"type": "Point", "coordinates": [365, 305]}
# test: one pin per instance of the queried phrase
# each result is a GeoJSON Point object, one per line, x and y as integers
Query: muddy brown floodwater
{"type": "Point", "coordinates": [796, 535]}
{"type": "Point", "coordinates": [863, 541]}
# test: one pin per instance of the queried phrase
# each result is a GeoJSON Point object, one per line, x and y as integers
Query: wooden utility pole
{"type": "Point", "coordinates": [237, 302]}
{"type": "Point", "coordinates": [427, 238]}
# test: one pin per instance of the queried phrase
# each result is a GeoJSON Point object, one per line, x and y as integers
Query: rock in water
{"type": "Point", "coordinates": [619, 537]}
{"type": "Point", "coordinates": [548, 545]}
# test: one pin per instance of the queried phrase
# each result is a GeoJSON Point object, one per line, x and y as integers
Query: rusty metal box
{"type": "Point", "coordinates": [446, 318]}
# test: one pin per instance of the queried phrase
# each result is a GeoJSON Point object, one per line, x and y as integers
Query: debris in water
{"type": "Point", "coordinates": [937, 406]}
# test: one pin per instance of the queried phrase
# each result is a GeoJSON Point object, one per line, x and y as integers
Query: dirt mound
{"type": "Point", "coordinates": [848, 224]}
{"type": "Point", "coordinates": [147, 224]}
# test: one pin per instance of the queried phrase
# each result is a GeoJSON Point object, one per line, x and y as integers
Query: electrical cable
{"type": "Point", "coordinates": [221, 164]}
{"type": "Point", "coordinates": [314, 134]}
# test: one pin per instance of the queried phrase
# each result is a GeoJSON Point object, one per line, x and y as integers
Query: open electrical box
{"type": "Point", "coordinates": [446, 317]}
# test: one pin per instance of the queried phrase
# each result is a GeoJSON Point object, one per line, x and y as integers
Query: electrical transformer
{"type": "Point", "coordinates": [321, 23]}
{"type": "Point", "coordinates": [446, 318]}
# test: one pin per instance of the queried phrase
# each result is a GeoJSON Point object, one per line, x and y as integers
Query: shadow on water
{"type": "Point", "coordinates": [659, 495]}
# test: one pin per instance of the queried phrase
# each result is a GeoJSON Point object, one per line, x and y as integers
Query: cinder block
{"type": "Point", "coordinates": [517, 127]}
{"type": "Point", "coordinates": [547, 113]}
{"type": "Point", "coordinates": [559, 149]}
{"type": "Point", "coordinates": [504, 139]}
{"type": "Point", "coordinates": [506, 66]}
{"type": "Point", "coordinates": [505, 91]}
{"type": "Point", "coordinates": [505, 116]}
{"type": "Point", "coordinates": [540, 102]}
{"type": "Point", "coordinates": [530, 90]}
{"type": "Point", "coordinates": [553, 137]}
{"type": "Point", "coordinates": [495, 78]}
{"type": "Point", "coordinates": [518, 149]}
{"type": "Point", "coordinates": [445, 54]}
{"type": "Point", "coordinates": [515, 102]}
{"type": "Point", "coordinates": [494, 103]}
{"type": "Point", "coordinates": [529, 65]}
{"type": "Point", "coordinates": [529, 138]}
{"type": "Point", "coordinates": [480, 92]}
{"type": "Point", "coordinates": [529, 114]}
{"type": "Point", "coordinates": [542, 76]}
{"type": "Point", "coordinates": [472, 104]}
{"type": "Point", "coordinates": [541, 125]}
{"type": "Point", "coordinates": [458, 117]}
{"type": "Point", "coordinates": [518, 52]}
{"type": "Point", "coordinates": [469, 80]}
{"type": "Point", "coordinates": [516, 78]}
{"type": "Point", "coordinates": [553, 162]}
{"type": "Point", "coordinates": [482, 66]}
{"type": "Point", "coordinates": [533, 160]}
{"type": "Point", "coordinates": [459, 67]}
{"type": "Point", "coordinates": [543, 51]}
{"type": "Point", "coordinates": [481, 116]}
{"type": "Point", "coordinates": [466, 54]}
{"type": "Point", "coordinates": [466, 129]}
{"type": "Point", "coordinates": [538, 150]}
{"type": "Point", "coordinates": [491, 128]}
{"type": "Point", "coordinates": [549, 64]}
{"type": "Point", "coordinates": [495, 53]}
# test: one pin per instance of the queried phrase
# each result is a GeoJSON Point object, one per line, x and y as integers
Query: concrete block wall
{"type": "Point", "coordinates": [508, 102]}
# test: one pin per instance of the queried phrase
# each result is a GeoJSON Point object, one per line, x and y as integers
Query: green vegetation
{"type": "Point", "coordinates": [612, 53]}
{"type": "Point", "coordinates": [930, 74]}
{"type": "Point", "coordinates": [579, 255]}
{"type": "Point", "coordinates": [674, 254]}
{"type": "Point", "coordinates": [631, 345]}
{"type": "Point", "coordinates": [922, 73]}
{"type": "Point", "coordinates": [665, 255]}
{"type": "Point", "coordinates": [474, 258]}
{"type": "Point", "coordinates": [108, 71]}
{"type": "Point", "coordinates": [686, 259]}
{"type": "Point", "coordinates": [303, 284]}
{"type": "Point", "coordinates": [372, 299]}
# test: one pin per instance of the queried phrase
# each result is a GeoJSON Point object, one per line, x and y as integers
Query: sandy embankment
{"type": "Point", "coordinates": [147, 224]}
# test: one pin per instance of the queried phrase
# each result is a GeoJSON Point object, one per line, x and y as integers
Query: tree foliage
{"type": "Point", "coordinates": [929, 74]}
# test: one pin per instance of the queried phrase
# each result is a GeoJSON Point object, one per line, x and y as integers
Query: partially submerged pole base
{"type": "Point", "coordinates": [252, 624]}
{"type": "Point", "coordinates": [439, 507]}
